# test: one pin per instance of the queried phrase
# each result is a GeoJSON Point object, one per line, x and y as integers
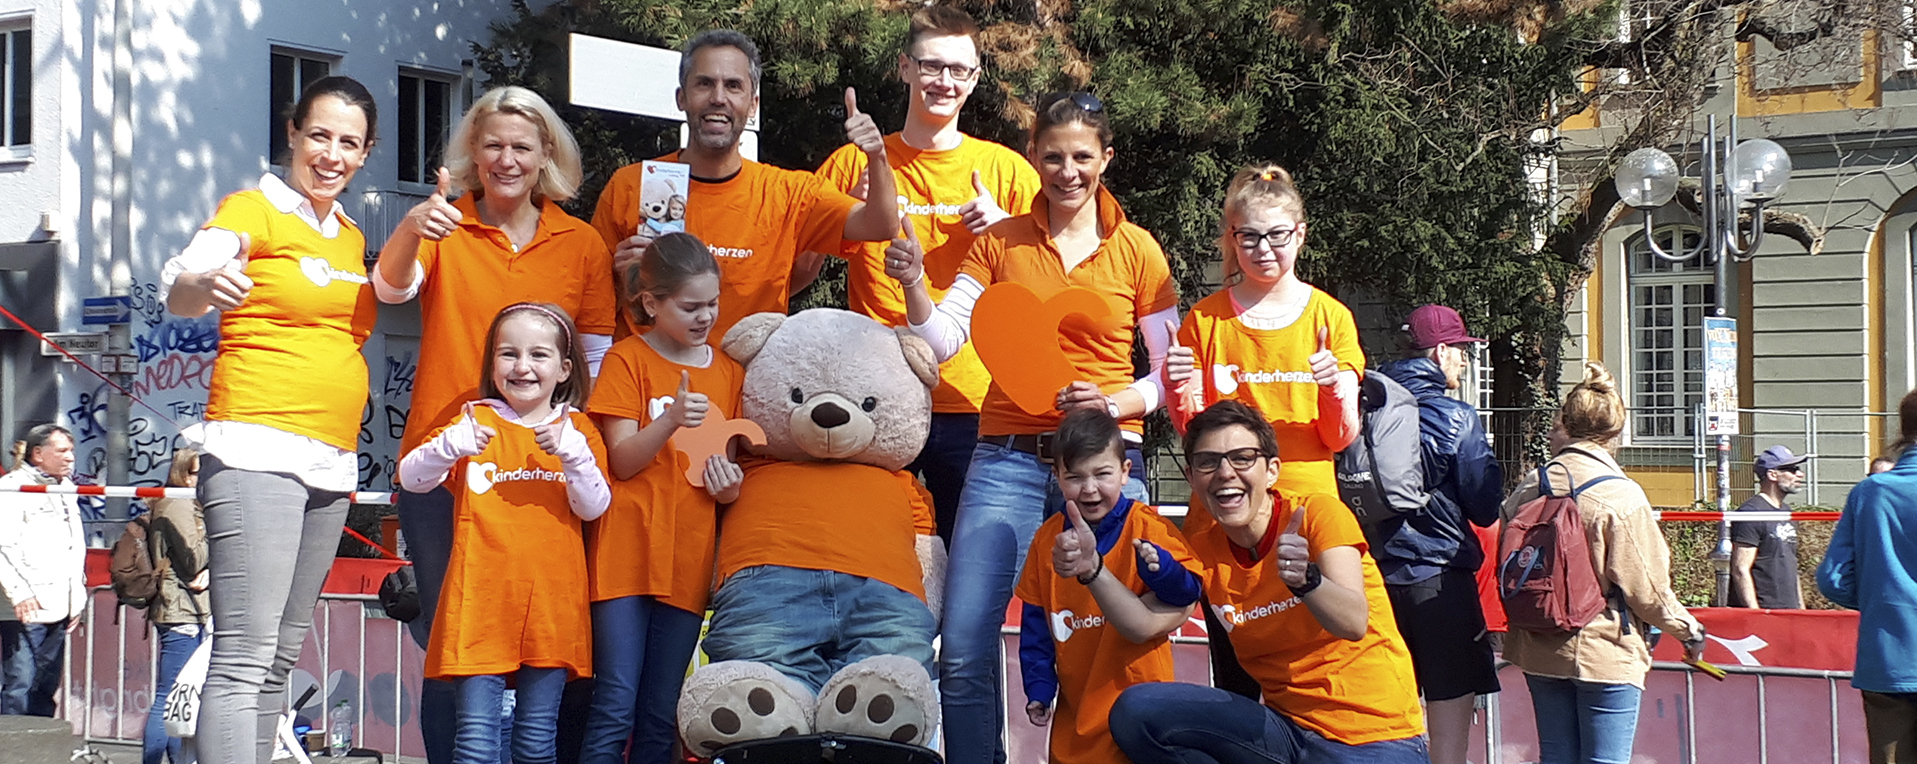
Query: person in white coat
{"type": "Point", "coordinates": [42, 573]}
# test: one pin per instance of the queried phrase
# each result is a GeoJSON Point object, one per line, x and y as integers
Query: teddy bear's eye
{"type": "Point", "coordinates": [869, 404]}
{"type": "Point", "coordinates": [797, 397]}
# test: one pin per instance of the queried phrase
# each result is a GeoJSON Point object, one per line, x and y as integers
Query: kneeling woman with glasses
{"type": "Point", "coordinates": [1306, 608]}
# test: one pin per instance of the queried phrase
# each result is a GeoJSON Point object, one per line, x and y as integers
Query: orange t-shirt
{"type": "Point", "coordinates": [932, 186]}
{"type": "Point", "coordinates": [657, 538]}
{"type": "Point", "coordinates": [290, 355]}
{"type": "Point", "coordinates": [515, 591]}
{"type": "Point", "coordinates": [471, 275]}
{"type": "Point", "coordinates": [755, 222]}
{"type": "Point", "coordinates": [1129, 269]}
{"type": "Point", "coordinates": [856, 519]}
{"type": "Point", "coordinates": [1270, 370]}
{"type": "Point", "coordinates": [1093, 661]}
{"type": "Point", "coordinates": [1352, 692]}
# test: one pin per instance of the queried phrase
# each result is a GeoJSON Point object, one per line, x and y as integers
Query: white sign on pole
{"type": "Point", "coordinates": [77, 343]}
{"type": "Point", "coordinates": [637, 79]}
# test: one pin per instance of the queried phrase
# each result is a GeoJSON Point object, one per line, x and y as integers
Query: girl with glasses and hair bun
{"type": "Point", "coordinates": [1273, 342]}
{"type": "Point", "coordinates": [1075, 236]}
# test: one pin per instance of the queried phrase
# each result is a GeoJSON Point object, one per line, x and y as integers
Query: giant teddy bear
{"type": "Point", "coordinates": [829, 575]}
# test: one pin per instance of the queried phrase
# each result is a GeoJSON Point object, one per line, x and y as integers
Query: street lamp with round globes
{"type": "Point", "coordinates": [1647, 178]}
{"type": "Point", "coordinates": [1760, 169]}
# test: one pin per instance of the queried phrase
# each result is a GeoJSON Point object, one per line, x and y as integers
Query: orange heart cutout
{"type": "Point", "coordinates": [713, 438]}
{"type": "Point", "coordinates": [1016, 335]}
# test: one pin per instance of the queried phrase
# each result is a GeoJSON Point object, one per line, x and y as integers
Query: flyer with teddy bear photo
{"type": "Point", "coordinates": [662, 195]}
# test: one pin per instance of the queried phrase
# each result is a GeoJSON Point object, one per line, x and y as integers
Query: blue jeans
{"type": "Point", "coordinates": [31, 655]}
{"type": "Point", "coordinates": [1007, 494]}
{"type": "Point", "coordinates": [426, 521]}
{"type": "Point", "coordinates": [942, 464]}
{"type": "Point", "coordinates": [177, 643]}
{"type": "Point", "coordinates": [640, 651]}
{"type": "Point", "coordinates": [1583, 722]}
{"type": "Point", "coordinates": [535, 729]}
{"type": "Point", "coordinates": [1174, 723]}
{"type": "Point", "coordinates": [808, 624]}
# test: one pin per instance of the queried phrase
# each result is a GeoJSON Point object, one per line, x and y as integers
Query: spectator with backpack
{"type": "Point", "coordinates": [179, 611]}
{"type": "Point", "coordinates": [1430, 556]}
{"type": "Point", "coordinates": [1583, 571]}
{"type": "Point", "coordinates": [42, 573]}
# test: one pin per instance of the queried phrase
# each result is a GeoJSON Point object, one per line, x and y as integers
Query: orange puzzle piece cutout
{"type": "Point", "coordinates": [1016, 335]}
{"type": "Point", "coordinates": [713, 438]}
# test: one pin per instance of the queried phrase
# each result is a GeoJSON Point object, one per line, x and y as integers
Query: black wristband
{"type": "Point", "coordinates": [1313, 578]}
{"type": "Point", "coordinates": [1095, 571]}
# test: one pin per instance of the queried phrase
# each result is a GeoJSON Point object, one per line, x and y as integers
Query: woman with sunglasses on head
{"type": "Point", "coordinates": [1076, 236]}
{"type": "Point", "coordinates": [1305, 605]}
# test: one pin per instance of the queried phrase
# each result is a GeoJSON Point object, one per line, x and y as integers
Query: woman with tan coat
{"type": "Point", "coordinates": [1585, 685]}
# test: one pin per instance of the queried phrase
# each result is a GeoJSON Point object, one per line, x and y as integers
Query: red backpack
{"type": "Point", "coordinates": [1545, 575]}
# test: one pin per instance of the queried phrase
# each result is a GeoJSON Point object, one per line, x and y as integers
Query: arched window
{"type": "Point", "coordinates": [1668, 303]}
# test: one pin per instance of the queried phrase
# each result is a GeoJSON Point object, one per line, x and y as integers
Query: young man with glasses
{"type": "Point", "coordinates": [1764, 554]}
{"type": "Point", "coordinates": [1430, 558]}
{"type": "Point", "coordinates": [951, 187]}
{"type": "Point", "coordinates": [1289, 579]}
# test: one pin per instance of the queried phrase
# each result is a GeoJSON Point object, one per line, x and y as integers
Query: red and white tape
{"type": "Point", "coordinates": [1747, 517]}
{"type": "Point", "coordinates": [145, 492]}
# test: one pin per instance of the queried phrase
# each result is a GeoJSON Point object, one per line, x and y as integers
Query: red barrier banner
{"type": "Point", "coordinates": [350, 575]}
{"type": "Point", "coordinates": [1824, 640]}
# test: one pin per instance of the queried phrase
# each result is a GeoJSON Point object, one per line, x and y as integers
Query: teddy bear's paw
{"type": "Point", "coordinates": [736, 701]}
{"type": "Point", "coordinates": [889, 697]}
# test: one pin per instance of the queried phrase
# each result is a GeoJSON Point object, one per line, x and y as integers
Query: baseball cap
{"type": "Point", "coordinates": [1434, 325]}
{"type": "Point", "coordinates": [1776, 457]}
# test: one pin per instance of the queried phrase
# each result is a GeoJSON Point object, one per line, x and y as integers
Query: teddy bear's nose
{"type": "Point", "coordinates": [829, 415]}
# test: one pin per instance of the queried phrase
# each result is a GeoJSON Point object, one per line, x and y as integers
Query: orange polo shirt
{"type": "Point", "coordinates": [755, 222]}
{"type": "Point", "coordinates": [933, 186]}
{"type": "Point", "coordinates": [515, 591]}
{"type": "Point", "coordinates": [852, 518]}
{"type": "Point", "coordinates": [1093, 661]}
{"type": "Point", "coordinates": [471, 275]}
{"type": "Point", "coordinates": [290, 354]}
{"type": "Point", "coordinates": [1270, 370]}
{"type": "Point", "coordinates": [1352, 692]}
{"type": "Point", "coordinates": [657, 538]}
{"type": "Point", "coordinates": [1129, 269]}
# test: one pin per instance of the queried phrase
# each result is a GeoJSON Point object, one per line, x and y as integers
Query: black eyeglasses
{"type": "Point", "coordinates": [1274, 238]}
{"type": "Point", "coordinates": [932, 68]}
{"type": "Point", "coordinates": [1206, 462]}
{"type": "Point", "coordinates": [1081, 99]}
{"type": "Point", "coordinates": [1792, 468]}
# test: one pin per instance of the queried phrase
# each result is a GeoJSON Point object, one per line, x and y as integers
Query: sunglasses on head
{"type": "Point", "coordinates": [1082, 100]}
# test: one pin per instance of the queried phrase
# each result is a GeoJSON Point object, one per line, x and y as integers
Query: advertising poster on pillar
{"type": "Point", "coordinates": [1720, 375]}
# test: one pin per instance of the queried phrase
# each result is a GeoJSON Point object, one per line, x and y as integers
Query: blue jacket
{"type": "Point", "coordinates": [1460, 471]}
{"type": "Point", "coordinates": [1871, 566]}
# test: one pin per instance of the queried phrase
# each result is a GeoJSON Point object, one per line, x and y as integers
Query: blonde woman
{"type": "Point", "coordinates": [503, 240]}
{"type": "Point", "coordinates": [1585, 685]}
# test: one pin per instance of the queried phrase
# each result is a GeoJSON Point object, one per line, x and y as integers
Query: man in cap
{"type": "Point", "coordinates": [1764, 554]}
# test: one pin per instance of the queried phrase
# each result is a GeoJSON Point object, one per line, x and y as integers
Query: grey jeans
{"type": "Point", "coordinates": [270, 543]}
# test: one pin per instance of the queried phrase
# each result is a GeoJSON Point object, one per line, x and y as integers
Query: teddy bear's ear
{"type": "Point", "coordinates": [919, 356]}
{"type": "Point", "coordinates": [747, 337]}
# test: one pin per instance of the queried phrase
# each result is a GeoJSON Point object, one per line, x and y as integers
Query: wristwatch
{"type": "Point", "coordinates": [1312, 579]}
{"type": "Point", "coordinates": [1111, 406]}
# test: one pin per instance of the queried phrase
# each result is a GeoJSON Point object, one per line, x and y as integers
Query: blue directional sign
{"type": "Point", "coordinates": [116, 309]}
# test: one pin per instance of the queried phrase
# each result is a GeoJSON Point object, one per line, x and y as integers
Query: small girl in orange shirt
{"type": "Point", "coordinates": [524, 468]}
{"type": "Point", "coordinates": [651, 558]}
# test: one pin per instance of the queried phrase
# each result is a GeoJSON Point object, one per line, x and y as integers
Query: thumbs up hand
{"type": "Point", "coordinates": [436, 218]}
{"type": "Point", "coordinates": [1324, 365]}
{"type": "Point", "coordinates": [1179, 362]}
{"type": "Point", "coordinates": [861, 130]}
{"type": "Point", "coordinates": [904, 257]}
{"type": "Point", "coordinates": [1075, 550]}
{"type": "Point", "coordinates": [982, 211]}
{"type": "Point", "coordinates": [688, 408]}
{"type": "Point", "coordinates": [228, 285]}
{"type": "Point", "coordinates": [1293, 554]}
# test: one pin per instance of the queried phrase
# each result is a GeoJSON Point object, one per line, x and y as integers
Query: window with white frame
{"type": "Point", "coordinates": [292, 71]}
{"type": "Point", "coordinates": [1668, 303]}
{"type": "Point", "coordinates": [425, 116]}
{"type": "Point", "coordinates": [16, 89]}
